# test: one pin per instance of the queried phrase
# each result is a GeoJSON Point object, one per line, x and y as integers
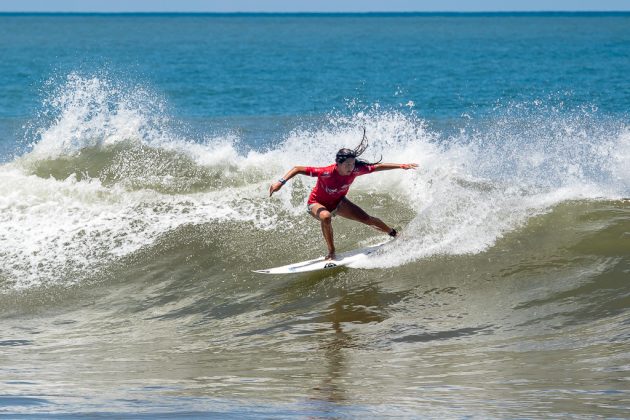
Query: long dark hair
{"type": "Point", "coordinates": [344, 154]}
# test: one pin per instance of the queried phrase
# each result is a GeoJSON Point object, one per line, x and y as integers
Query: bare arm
{"type": "Point", "coordinates": [296, 170]}
{"type": "Point", "coordinates": [389, 166]}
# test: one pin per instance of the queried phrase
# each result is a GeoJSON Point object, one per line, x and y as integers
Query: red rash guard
{"type": "Point", "coordinates": [331, 186]}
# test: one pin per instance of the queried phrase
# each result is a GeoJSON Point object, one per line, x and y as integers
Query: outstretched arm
{"type": "Point", "coordinates": [296, 170]}
{"type": "Point", "coordinates": [388, 166]}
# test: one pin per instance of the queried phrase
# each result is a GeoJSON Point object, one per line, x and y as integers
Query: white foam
{"type": "Point", "coordinates": [53, 231]}
{"type": "Point", "coordinates": [619, 151]}
{"type": "Point", "coordinates": [473, 191]}
{"type": "Point", "coordinates": [469, 190]}
{"type": "Point", "coordinates": [87, 112]}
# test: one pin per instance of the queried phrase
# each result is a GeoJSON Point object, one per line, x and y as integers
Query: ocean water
{"type": "Point", "coordinates": [136, 153]}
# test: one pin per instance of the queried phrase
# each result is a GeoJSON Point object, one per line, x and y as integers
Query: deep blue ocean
{"type": "Point", "coordinates": [136, 154]}
{"type": "Point", "coordinates": [205, 67]}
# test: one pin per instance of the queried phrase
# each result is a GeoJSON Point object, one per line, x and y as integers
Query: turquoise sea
{"type": "Point", "coordinates": [136, 154]}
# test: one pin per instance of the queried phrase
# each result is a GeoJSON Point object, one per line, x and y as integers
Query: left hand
{"type": "Point", "coordinates": [408, 166]}
{"type": "Point", "coordinates": [275, 187]}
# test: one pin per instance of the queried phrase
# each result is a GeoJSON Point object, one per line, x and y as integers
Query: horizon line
{"type": "Point", "coordinates": [320, 12]}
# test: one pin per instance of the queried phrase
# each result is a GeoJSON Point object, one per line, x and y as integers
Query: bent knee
{"type": "Point", "coordinates": [325, 216]}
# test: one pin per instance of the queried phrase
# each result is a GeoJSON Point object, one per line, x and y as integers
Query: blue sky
{"type": "Point", "coordinates": [307, 5]}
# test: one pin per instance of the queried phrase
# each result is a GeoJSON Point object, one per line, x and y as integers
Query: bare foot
{"type": "Point", "coordinates": [330, 256]}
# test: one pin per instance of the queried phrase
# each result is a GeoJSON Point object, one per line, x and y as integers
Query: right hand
{"type": "Point", "coordinates": [274, 187]}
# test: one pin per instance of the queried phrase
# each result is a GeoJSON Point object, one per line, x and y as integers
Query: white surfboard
{"type": "Point", "coordinates": [342, 260]}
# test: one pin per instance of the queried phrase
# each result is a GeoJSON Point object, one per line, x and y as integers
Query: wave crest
{"type": "Point", "coordinates": [109, 167]}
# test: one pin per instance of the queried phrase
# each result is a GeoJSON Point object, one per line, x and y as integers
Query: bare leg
{"type": "Point", "coordinates": [325, 217]}
{"type": "Point", "coordinates": [351, 211]}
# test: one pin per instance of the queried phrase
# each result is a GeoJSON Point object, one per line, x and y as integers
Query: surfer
{"type": "Point", "coordinates": [328, 197]}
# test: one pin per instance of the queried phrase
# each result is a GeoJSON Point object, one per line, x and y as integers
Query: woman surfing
{"type": "Point", "coordinates": [328, 197]}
